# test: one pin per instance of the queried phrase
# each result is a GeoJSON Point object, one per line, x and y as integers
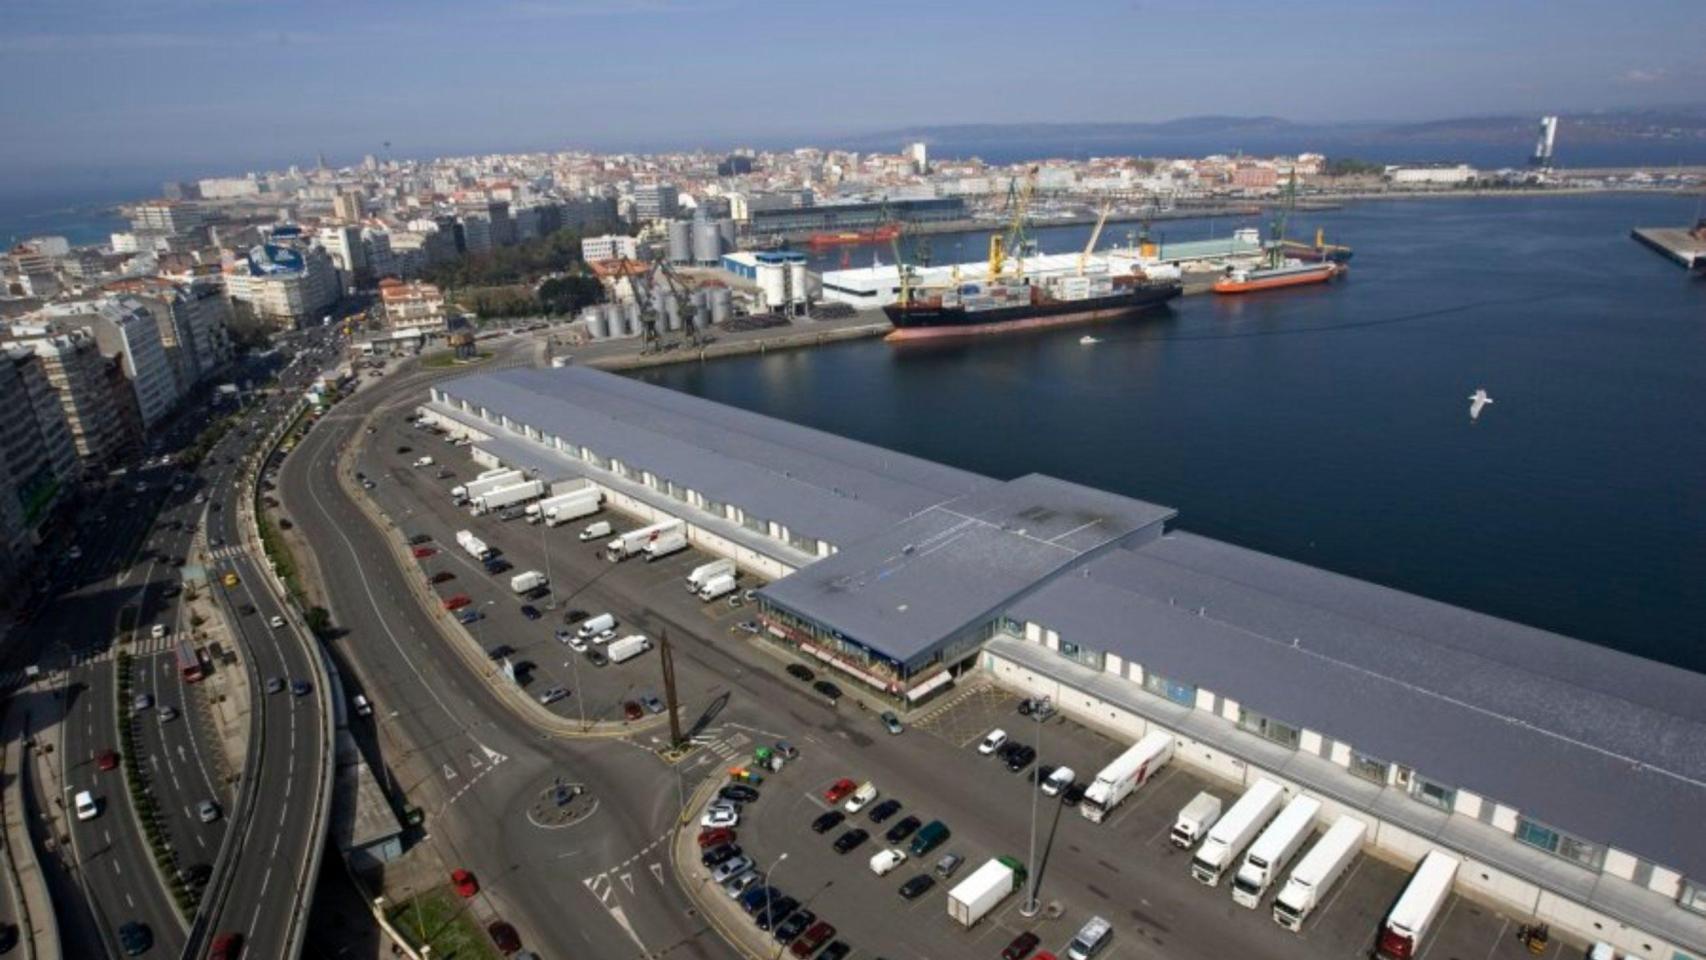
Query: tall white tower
{"type": "Point", "coordinates": [1543, 144]}
{"type": "Point", "coordinates": [920, 156]}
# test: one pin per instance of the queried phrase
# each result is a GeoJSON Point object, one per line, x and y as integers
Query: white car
{"type": "Point", "coordinates": [277, 622]}
{"type": "Point", "coordinates": [720, 817]}
{"type": "Point", "coordinates": [861, 797]}
{"type": "Point", "coordinates": [87, 808]}
{"type": "Point", "coordinates": [886, 860]}
{"type": "Point", "coordinates": [993, 742]}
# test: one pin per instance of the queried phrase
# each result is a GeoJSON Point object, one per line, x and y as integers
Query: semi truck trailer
{"type": "Point", "coordinates": [1316, 873]}
{"type": "Point", "coordinates": [634, 541]}
{"type": "Point", "coordinates": [674, 541]}
{"type": "Point", "coordinates": [509, 496]}
{"type": "Point", "coordinates": [627, 648]}
{"type": "Point", "coordinates": [563, 506]}
{"type": "Point", "coordinates": [1273, 850]}
{"type": "Point", "coordinates": [528, 580]}
{"type": "Point", "coordinates": [474, 546]}
{"type": "Point", "coordinates": [703, 573]}
{"type": "Point", "coordinates": [485, 483]}
{"type": "Point", "coordinates": [1417, 907]}
{"type": "Point", "coordinates": [976, 895]}
{"type": "Point", "coordinates": [1129, 771]}
{"type": "Point", "coordinates": [1233, 833]}
{"type": "Point", "coordinates": [719, 586]}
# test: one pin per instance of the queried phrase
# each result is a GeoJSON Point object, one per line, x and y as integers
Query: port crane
{"type": "Point", "coordinates": [1096, 234]}
{"type": "Point", "coordinates": [1013, 241]}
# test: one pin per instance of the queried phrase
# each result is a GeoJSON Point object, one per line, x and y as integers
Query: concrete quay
{"type": "Point", "coordinates": [1677, 243]}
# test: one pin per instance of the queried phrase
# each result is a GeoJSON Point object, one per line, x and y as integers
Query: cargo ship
{"type": "Point", "coordinates": [1025, 303]}
{"type": "Point", "coordinates": [854, 238]}
{"type": "Point", "coordinates": [1285, 273]}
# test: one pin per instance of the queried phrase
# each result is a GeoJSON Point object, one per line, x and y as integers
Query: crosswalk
{"type": "Point", "coordinates": [227, 552]}
{"type": "Point", "coordinates": [726, 748]}
{"type": "Point", "coordinates": [142, 647]}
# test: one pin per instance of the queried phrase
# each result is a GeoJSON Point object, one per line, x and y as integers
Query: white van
{"type": "Point", "coordinates": [886, 860]}
{"type": "Point", "coordinates": [593, 626]}
{"type": "Point", "coordinates": [159, 631]}
{"type": "Point", "coordinates": [87, 808]}
{"type": "Point", "coordinates": [1092, 937]}
{"type": "Point", "coordinates": [1058, 781]}
{"type": "Point", "coordinates": [595, 530]}
{"type": "Point", "coordinates": [993, 742]}
{"type": "Point", "coordinates": [362, 707]}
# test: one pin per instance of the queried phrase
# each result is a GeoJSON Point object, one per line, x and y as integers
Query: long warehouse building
{"type": "Point", "coordinates": [1570, 778]}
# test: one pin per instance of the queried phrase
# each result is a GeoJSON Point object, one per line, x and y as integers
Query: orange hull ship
{"type": "Point", "coordinates": [854, 238]}
{"type": "Point", "coordinates": [1289, 275]}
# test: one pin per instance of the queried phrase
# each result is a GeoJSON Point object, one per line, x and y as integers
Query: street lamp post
{"type": "Point", "coordinates": [1031, 907]}
{"type": "Point", "coordinates": [545, 542]}
{"type": "Point", "coordinates": [769, 887]}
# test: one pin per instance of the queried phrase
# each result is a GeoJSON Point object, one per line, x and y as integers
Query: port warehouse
{"type": "Point", "coordinates": [1569, 778]}
{"type": "Point", "coordinates": [854, 215]}
{"type": "Point", "coordinates": [879, 285]}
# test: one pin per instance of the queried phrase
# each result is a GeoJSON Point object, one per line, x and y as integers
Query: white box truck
{"type": "Point", "coordinates": [1195, 820]}
{"type": "Point", "coordinates": [1401, 935]}
{"type": "Point", "coordinates": [1129, 771]}
{"type": "Point", "coordinates": [705, 571]}
{"type": "Point", "coordinates": [628, 648]}
{"type": "Point", "coordinates": [574, 507]}
{"type": "Point", "coordinates": [527, 580]}
{"type": "Point", "coordinates": [1317, 871]}
{"type": "Point", "coordinates": [976, 895]}
{"type": "Point", "coordinates": [594, 530]}
{"type": "Point", "coordinates": [515, 493]}
{"type": "Point", "coordinates": [635, 541]}
{"type": "Point", "coordinates": [718, 586]}
{"type": "Point", "coordinates": [1228, 838]}
{"type": "Point", "coordinates": [536, 511]}
{"type": "Point", "coordinates": [474, 546]}
{"type": "Point", "coordinates": [1273, 850]}
{"type": "Point", "coordinates": [674, 541]}
{"type": "Point", "coordinates": [485, 483]}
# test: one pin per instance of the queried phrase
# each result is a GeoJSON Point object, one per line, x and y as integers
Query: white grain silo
{"type": "Point", "coordinates": [707, 244]}
{"type": "Point", "coordinates": [680, 241]}
{"type": "Point", "coordinates": [772, 281]}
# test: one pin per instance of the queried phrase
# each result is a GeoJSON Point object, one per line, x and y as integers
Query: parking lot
{"type": "Point", "coordinates": [1124, 870]}
{"type": "Point", "coordinates": [417, 499]}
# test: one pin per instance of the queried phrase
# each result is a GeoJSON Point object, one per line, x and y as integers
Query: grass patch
{"type": "Point", "coordinates": [448, 358]}
{"type": "Point", "coordinates": [284, 564]}
{"type": "Point", "coordinates": [438, 920]}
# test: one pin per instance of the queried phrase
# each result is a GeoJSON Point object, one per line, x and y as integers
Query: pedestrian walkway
{"type": "Point", "coordinates": [145, 647]}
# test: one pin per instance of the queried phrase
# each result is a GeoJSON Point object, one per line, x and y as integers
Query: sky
{"type": "Point", "coordinates": [142, 90]}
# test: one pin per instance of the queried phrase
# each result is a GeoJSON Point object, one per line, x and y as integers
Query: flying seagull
{"type": "Point", "coordinates": [1477, 401]}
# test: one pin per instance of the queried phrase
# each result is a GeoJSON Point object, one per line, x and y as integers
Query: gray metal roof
{"type": "Point", "coordinates": [817, 484]}
{"type": "Point", "coordinates": [903, 591]}
{"type": "Point", "coordinates": [1604, 745]}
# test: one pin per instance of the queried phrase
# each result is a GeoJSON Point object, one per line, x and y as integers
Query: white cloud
{"type": "Point", "coordinates": [1644, 75]}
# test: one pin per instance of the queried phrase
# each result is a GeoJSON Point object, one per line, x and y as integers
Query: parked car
{"type": "Point", "coordinates": [715, 836]}
{"type": "Point", "coordinates": [720, 817]}
{"type": "Point", "coordinates": [553, 695]}
{"type": "Point", "coordinates": [835, 951]}
{"type": "Point", "coordinates": [652, 704]}
{"type": "Point", "coordinates": [499, 651]}
{"type": "Point", "coordinates": [530, 611]}
{"type": "Point", "coordinates": [796, 924]}
{"type": "Point", "coordinates": [575, 616]}
{"type": "Point", "coordinates": [776, 912]}
{"type": "Point", "coordinates": [421, 553]}
{"type": "Point", "coordinates": [420, 538]}
{"type": "Point", "coordinates": [464, 882]}
{"type": "Point", "coordinates": [828, 691]}
{"type": "Point", "coordinates": [596, 657]}
{"type": "Point", "coordinates": [1020, 757]}
{"type": "Point", "coordinates": [917, 887]}
{"type": "Point", "coordinates": [469, 616]}
{"type": "Point", "coordinates": [861, 797]}
{"type": "Point", "coordinates": [457, 601]}
{"type": "Point", "coordinates": [738, 792]}
{"type": "Point", "coordinates": [443, 576]}
{"type": "Point", "coordinates": [632, 711]}
{"type": "Point", "coordinates": [720, 854]}
{"type": "Point", "coordinates": [828, 821]}
{"type": "Point", "coordinates": [995, 740]}
{"type": "Point", "coordinates": [738, 885]}
{"type": "Point", "coordinates": [892, 723]}
{"type": "Point", "coordinates": [1021, 946]}
{"type": "Point", "coordinates": [839, 790]}
{"type": "Point", "coordinates": [949, 864]}
{"type": "Point", "coordinates": [851, 839]}
{"type": "Point", "coordinates": [503, 937]}
{"type": "Point", "coordinates": [900, 831]}
{"type": "Point", "coordinates": [800, 672]}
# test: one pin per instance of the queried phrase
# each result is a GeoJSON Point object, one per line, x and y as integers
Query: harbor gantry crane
{"type": "Point", "coordinates": [1096, 234]}
{"type": "Point", "coordinates": [1014, 240]}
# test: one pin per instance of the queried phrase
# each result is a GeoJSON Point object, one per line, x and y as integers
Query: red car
{"type": "Point", "coordinates": [815, 936]}
{"type": "Point", "coordinates": [715, 836]}
{"type": "Point", "coordinates": [1021, 946]}
{"type": "Point", "coordinates": [464, 882]}
{"type": "Point", "coordinates": [108, 760]}
{"type": "Point", "coordinates": [226, 946]}
{"type": "Point", "coordinates": [504, 937]}
{"type": "Point", "coordinates": [839, 790]}
{"type": "Point", "coordinates": [632, 710]}
{"type": "Point", "coordinates": [421, 553]}
{"type": "Point", "coordinates": [457, 602]}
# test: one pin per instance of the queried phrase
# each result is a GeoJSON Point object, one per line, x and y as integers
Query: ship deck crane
{"type": "Point", "coordinates": [1095, 235]}
{"type": "Point", "coordinates": [1013, 241]}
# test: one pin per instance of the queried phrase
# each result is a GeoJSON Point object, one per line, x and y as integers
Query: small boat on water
{"type": "Point", "coordinates": [1286, 273]}
{"type": "Point", "coordinates": [1086, 340]}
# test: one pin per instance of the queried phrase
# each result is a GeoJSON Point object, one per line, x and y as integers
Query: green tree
{"type": "Point", "coordinates": [567, 294]}
{"type": "Point", "coordinates": [320, 621]}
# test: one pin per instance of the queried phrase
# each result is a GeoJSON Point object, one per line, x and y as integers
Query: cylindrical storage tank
{"type": "Point", "coordinates": [680, 241]}
{"type": "Point", "coordinates": [671, 315]}
{"type": "Point", "coordinates": [707, 244]}
{"type": "Point", "coordinates": [770, 279]}
{"type": "Point", "coordinates": [797, 281]}
{"type": "Point", "coordinates": [722, 305]}
{"type": "Point", "coordinates": [726, 230]}
{"type": "Point", "coordinates": [701, 316]}
{"type": "Point", "coordinates": [592, 319]}
{"type": "Point", "coordinates": [700, 298]}
{"type": "Point", "coordinates": [632, 309]}
{"type": "Point", "coordinates": [613, 320]}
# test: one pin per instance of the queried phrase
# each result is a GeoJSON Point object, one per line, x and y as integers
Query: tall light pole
{"type": "Point", "coordinates": [1031, 907]}
{"type": "Point", "coordinates": [769, 887]}
{"type": "Point", "coordinates": [545, 542]}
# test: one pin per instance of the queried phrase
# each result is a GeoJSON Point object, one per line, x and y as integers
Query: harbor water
{"type": "Point", "coordinates": [1331, 425]}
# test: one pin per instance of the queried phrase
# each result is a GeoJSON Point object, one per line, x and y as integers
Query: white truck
{"type": "Point", "coordinates": [570, 507]}
{"type": "Point", "coordinates": [463, 492]}
{"type": "Point", "coordinates": [1273, 850]}
{"type": "Point", "coordinates": [474, 546]}
{"type": "Point", "coordinates": [1228, 838]}
{"type": "Point", "coordinates": [703, 573]}
{"type": "Point", "coordinates": [1316, 873]}
{"type": "Point", "coordinates": [537, 511]}
{"type": "Point", "coordinates": [1195, 820]}
{"type": "Point", "coordinates": [423, 461]}
{"type": "Point", "coordinates": [528, 580]}
{"type": "Point", "coordinates": [515, 493]}
{"type": "Point", "coordinates": [976, 895]}
{"type": "Point", "coordinates": [674, 541]}
{"type": "Point", "coordinates": [1402, 932]}
{"type": "Point", "coordinates": [1129, 771]}
{"type": "Point", "coordinates": [634, 541]}
{"type": "Point", "coordinates": [596, 529]}
{"type": "Point", "coordinates": [628, 648]}
{"type": "Point", "coordinates": [718, 586]}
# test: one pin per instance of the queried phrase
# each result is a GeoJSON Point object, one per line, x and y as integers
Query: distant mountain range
{"type": "Point", "coordinates": [1682, 125]}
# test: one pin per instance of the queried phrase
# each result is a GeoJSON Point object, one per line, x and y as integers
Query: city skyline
{"type": "Point", "coordinates": [237, 87]}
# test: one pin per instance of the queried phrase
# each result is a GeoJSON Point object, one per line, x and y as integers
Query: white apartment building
{"type": "Point", "coordinates": [609, 247]}
{"type": "Point", "coordinates": [127, 329]}
{"type": "Point", "coordinates": [283, 285]}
